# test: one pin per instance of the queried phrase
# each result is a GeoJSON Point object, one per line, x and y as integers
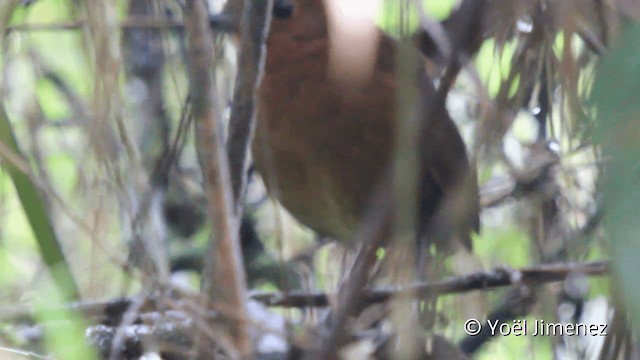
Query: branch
{"type": "Point", "coordinates": [498, 278]}
{"type": "Point", "coordinates": [216, 22]}
{"type": "Point", "coordinates": [223, 279]}
{"type": "Point", "coordinates": [254, 29]}
{"type": "Point", "coordinates": [109, 311]}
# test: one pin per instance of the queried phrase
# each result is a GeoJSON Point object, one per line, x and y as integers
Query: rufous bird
{"type": "Point", "coordinates": [323, 143]}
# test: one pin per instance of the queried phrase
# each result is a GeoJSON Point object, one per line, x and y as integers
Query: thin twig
{"type": "Point", "coordinates": [23, 353]}
{"type": "Point", "coordinates": [254, 30]}
{"type": "Point", "coordinates": [220, 23]}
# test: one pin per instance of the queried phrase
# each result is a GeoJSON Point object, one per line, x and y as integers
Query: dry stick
{"type": "Point", "coordinates": [256, 19]}
{"type": "Point", "coordinates": [221, 23]}
{"type": "Point", "coordinates": [223, 277]}
{"type": "Point", "coordinates": [489, 280]}
{"type": "Point", "coordinates": [481, 281]}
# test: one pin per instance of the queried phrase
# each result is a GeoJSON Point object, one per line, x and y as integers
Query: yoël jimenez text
{"type": "Point", "coordinates": [543, 328]}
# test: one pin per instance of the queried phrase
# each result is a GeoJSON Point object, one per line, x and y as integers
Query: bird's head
{"type": "Point", "coordinates": [299, 19]}
{"type": "Point", "coordinates": [344, 29]}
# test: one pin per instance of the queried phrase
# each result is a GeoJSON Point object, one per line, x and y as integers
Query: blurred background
{"type": "Point", "coordinates": [97, 155]}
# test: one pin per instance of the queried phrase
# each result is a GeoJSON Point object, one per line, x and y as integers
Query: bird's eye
{"type": "Point", "coordinates": [282, 9]}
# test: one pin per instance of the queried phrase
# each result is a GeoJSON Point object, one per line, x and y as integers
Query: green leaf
{"type": "Point", "coordinates": [36, 211]}
{"type": "Point", "coordinates": [615, 96]}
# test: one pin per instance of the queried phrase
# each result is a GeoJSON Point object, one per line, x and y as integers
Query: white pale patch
{"type": "Point", "coordinates": [353, 39]}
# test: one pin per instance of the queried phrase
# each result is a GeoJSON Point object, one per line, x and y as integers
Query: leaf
{"type": "Point", "coordinates": [36, 211]}
{"type": "Point", "coordinates": [615, 96]}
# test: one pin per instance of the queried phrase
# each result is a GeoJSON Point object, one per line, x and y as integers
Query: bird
{"type": "Point", "coordinates": [322, 143]}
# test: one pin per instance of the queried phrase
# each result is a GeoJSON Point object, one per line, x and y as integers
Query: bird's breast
{"type": "Point", "coordinates": [321, 148]}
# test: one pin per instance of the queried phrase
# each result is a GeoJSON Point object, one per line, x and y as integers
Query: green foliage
{"type": "Point", "coordinates": [8, 268]}
{"type": "Point", "coordinates": [62, 169]}
{"type": "Point", "coordinates": [494, 65]}
{"type": "Point", "coordinates": [393, 10]}
{"type": "Point", "coordinates": [44, 11]}
{"type": "Point", "coordinates": [615, 95]}
{"type": "Point", "coordinates": [508, 246]}
{"type": "Point", "coordinates": [36, 211]}
{"type": "Point", "coordinates": [62, 50]}
{"type": "Point", "coordinates": [52, 102]}
{"type": "Point", "coordinates": [67, 344]}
